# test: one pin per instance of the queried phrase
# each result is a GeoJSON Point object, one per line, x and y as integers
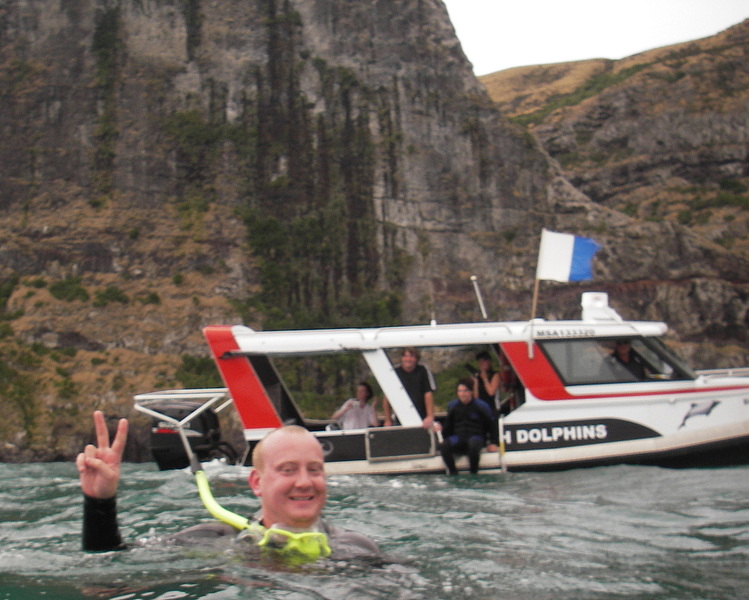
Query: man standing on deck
{"type": "Point", "coordinates": [419, 384]}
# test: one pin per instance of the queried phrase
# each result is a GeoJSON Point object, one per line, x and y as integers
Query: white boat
{"type": "Point", "coordinates": [573, 406]}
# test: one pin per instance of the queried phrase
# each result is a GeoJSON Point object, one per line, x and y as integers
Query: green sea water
{"type": "Point", "coordinates": [612, 532]}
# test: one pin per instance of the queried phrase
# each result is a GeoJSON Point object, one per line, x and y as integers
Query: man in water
{"type": "Point", "coordinates": [288, 477]}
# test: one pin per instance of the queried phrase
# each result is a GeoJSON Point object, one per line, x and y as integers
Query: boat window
{"type": "Point", "coordinates": [592, 361]}
{"type": "Point", "coordinates": [656, 348]}
{"type": "Point", "coordinates": [309, 389]}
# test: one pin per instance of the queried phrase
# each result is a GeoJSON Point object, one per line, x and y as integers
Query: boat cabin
{"type": "Point", "coordinates": [598, 390]}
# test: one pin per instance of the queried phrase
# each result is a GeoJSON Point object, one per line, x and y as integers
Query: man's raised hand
{"type": "Point", "coordinates": [99, 466]}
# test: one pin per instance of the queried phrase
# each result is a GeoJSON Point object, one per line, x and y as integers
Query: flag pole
{"type": "Point", "coordinates": [478, 296]}
{"type": "Point", "coordinates": [535, 298]}
{"type": "Point", "coordinates": [534, 303]}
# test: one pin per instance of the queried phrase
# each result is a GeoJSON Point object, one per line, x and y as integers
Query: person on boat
{"type": "Point", "coordinates": [629, 359]}
{"type": "Point", "coordinates": [467, 428]}
{"type": "Point", "coordinates": [419, 383]}
{"type": "Point", "coordinates": [486, 381]}
{"type": "Point", "coordinates": [288, 477]}
{"type": "Point", "coordinates": [357, 413]}
{"type": "Point", "coordinates": [510, 393]}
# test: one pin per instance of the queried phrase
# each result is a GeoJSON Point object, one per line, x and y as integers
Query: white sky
{"type": "Point", "coordinates": [500, 34]}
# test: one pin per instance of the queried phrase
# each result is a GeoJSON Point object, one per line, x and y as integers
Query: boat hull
{"type": "Point", "coordinates": [411, 450]}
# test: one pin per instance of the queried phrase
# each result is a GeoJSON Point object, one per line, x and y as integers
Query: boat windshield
{"type": "Point", "coordinates": [593, 361]}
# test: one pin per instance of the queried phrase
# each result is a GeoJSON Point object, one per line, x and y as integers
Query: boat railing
{"type": "Point", "coordinates": [147, 403]}
{"type": "Point", "coordinates": [188, 394]}
{"type": "Point", "coordinates": [730, 372]}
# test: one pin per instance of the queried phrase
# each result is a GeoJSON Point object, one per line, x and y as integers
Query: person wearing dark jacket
{"type": "Point", "coordinates": [468, 427]}
{"type": "Point", "coordinates": [629, 359]}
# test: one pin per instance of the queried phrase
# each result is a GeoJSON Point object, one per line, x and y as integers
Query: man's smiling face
{"type": "Point", "coordinates": [291, 479]}
{"type": "Point", "coordinates": [408, 361]}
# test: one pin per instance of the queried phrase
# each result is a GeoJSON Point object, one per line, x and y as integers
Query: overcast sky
{"type": "Point", "coordinates": [499, 34]}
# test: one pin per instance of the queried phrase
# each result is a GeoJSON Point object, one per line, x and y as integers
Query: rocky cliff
{"type": "Point", "coordinates": [171, 164]}
{"type": "Point", "coordinates": [661, 137]}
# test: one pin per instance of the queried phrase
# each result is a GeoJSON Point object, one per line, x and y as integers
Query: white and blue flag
{"type": "Point", "coordinates": [565, 257]}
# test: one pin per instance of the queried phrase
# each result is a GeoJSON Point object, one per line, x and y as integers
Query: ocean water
{"type": "Point", "coordinates": [611, 532]}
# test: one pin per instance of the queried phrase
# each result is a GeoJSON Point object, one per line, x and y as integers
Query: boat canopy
{"type": "Point", "coordinates": [599, 320]}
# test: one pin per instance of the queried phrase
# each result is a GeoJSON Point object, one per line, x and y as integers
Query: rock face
{"type": "Point", "coordinates": [170, 164]}
{"type": "Point", "coordinates": [660, 137]}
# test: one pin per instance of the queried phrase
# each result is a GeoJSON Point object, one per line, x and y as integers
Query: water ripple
{"type": "Point", "coordinates": [634, 533]}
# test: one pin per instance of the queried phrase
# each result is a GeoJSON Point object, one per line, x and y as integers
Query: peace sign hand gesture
{"type": "Point", "coordinates": [99, 466]}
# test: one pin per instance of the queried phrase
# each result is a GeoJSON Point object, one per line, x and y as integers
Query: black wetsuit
{"type": "Point", "coordinates": [101, 532]}
{"type": "Point", "coordinates": [465, 431]}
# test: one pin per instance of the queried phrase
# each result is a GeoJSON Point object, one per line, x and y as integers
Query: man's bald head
{"type": "Point", "coordinates": [289, 477]}
{"type": "Point", "coordinates": [258, 453]}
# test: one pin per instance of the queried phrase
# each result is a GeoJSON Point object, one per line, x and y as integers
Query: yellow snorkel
{"type": "Point", "coordinates": [214, 508]}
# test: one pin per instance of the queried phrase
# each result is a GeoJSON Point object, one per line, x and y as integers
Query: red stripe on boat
{"type": "Point", "coordinates": [250, 398]}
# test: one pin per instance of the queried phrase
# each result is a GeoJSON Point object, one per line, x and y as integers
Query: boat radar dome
{"type": "Point", "coordinates": [596, 307]}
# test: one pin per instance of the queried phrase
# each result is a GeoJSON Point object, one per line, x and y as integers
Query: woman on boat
{"type": "Point", "coordinates": [357, 413]}
{"type": "Point", "coordinates": [486, 381]}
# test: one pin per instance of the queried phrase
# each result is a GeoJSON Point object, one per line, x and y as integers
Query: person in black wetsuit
{"type": "Point", "coordinates": [288, 477]}
{"type": "Point", "coordinates": [467, 428]}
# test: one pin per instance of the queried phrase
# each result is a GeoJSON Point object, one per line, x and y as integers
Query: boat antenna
{"type": "Point", "coordinates": [475, 282]}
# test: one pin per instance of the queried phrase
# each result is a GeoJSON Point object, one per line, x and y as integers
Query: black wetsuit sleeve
{"type": "Point", "coordinates": [448, 426]}
{"type": "Point", "coordinates": [100, 530]}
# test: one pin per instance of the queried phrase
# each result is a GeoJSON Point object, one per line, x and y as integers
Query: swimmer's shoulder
{"type": "Point", "coordinates": [203, 532]}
